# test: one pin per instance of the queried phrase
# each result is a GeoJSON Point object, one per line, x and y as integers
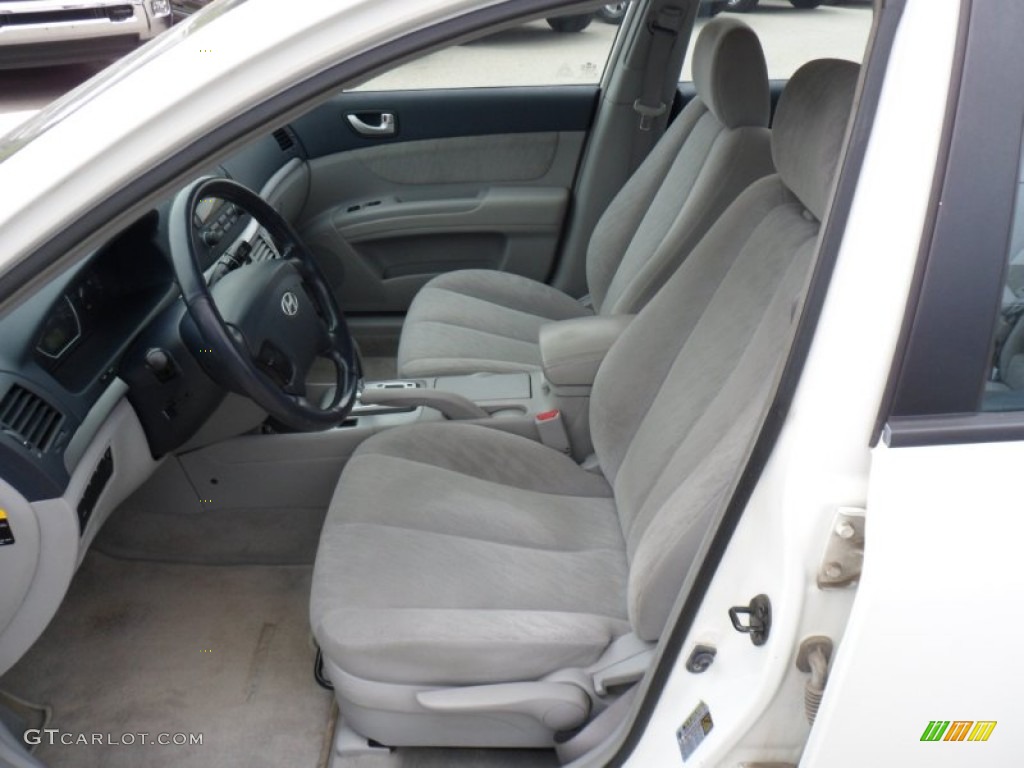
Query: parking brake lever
{"type": "Point", "coordinates": [452, 406]}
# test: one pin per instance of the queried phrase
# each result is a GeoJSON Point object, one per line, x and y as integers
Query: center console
{"type": "Point", "coordinates": [508, 401]}
{"type": "Point", "coordinates": [550, 405]}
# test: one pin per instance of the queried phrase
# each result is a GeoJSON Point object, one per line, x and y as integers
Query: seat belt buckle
{"type": "Point", "coordinates": [647, 114]}
{"type": "Point", "coordinates": [551, 430]}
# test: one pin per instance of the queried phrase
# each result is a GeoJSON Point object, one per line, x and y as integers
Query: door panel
{"type": "Point", "coordinates": [472, 178]}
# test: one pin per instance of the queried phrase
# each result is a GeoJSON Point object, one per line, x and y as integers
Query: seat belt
{"type": "Point", "coordinates": [664, 27]}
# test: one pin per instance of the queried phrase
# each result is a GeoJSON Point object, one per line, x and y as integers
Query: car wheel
{"type": "Point", "coordinates": [805, 4]}
{"type": "Point", "coordinates": [571, 23]}
{"type": "Point", "coordinates": [740, 6]}
{"type": "Point", "coordinates": [612, 13]}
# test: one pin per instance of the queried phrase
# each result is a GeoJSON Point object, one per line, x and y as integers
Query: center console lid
{"type": "Point", "coordinates": [572, 350]}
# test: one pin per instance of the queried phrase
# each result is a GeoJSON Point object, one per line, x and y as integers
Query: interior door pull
{"type": "Point", "coordinates": [386, 127]}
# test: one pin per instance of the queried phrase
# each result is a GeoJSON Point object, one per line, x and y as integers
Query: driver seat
{"type": "Point", "coordinates": [476, 588]}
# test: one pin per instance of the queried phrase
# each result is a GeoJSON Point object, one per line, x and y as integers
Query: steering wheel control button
{"type": "Point", "coordinates": [290, 304]}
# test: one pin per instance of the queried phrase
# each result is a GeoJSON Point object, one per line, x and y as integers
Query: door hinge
{"type": "Point", "coordinates": [844, 551]}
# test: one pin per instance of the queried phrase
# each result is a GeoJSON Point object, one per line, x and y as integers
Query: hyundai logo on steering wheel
{"type": "Point", "coordinates": [290, 304]}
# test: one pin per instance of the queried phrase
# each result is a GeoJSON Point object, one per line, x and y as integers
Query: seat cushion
{"type": "Point", "coordinates": [455, 554]}
{"type": "Point", "coordinates": [479, 320]}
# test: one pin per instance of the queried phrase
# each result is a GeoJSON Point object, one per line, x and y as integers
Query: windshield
{"type": "Point", "coordinates": [70, 102]}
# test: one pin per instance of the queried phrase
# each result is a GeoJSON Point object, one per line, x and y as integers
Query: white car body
{"type": "Point", "coordinates": [930, 630]}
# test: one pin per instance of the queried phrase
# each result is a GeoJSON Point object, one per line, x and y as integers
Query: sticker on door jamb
{"type": "Point", "coordinates": [694, 730]}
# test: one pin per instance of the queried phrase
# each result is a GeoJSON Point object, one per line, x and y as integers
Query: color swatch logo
{"type": "Point", "coordinates": [958, 730]}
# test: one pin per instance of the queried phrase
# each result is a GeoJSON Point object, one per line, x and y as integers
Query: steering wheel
{"type": "Point", "coordinates": [262, 325]}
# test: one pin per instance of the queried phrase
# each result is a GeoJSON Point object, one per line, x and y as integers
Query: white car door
{"type": "Point", "coordinates": [924, 673]}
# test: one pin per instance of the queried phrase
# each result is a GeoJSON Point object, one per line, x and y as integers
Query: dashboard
{"type": "Point", "coordinates": [103, 374]}
{"type": "Point", "coordinates": [104, 306]}
{"type": "Point", "coordinates": [112, 320]}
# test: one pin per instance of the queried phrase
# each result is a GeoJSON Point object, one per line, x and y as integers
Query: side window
{"type": "Point", "coordinates": [1005, 388]}
{"type": "Point", "coordinates": [562, 50]}
{"type": "Point", "coordinates": [793, 36]}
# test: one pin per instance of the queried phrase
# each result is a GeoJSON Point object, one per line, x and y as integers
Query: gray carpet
{"type": "Point", "coordinates": [215, 537]}
{"type": "Point", "coordinates": [153, 648]}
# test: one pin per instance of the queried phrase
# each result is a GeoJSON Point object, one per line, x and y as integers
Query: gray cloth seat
{"type": "Point", "coordinates": [480, 320]}
{"type": "Point", "coordinates": [468, 578]}
{"type": "Point", "coordinates": [485, 320]}
{"type": "Point", "coordinates": [497, 516]}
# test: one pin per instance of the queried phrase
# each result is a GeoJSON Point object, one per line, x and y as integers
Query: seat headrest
{"type": "Point", "coordinates": [810, 126]}
{"type": "Point", "coordinates": [730, 74]}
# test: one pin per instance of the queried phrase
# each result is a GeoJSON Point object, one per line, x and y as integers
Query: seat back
{"type": "Point", "coordinates": [679, 397]}
{"type": "Point", "coordinates": [717, 146]}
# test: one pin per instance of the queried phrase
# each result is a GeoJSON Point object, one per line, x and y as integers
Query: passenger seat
{"type": "Point", "coordinates": [485, 320]}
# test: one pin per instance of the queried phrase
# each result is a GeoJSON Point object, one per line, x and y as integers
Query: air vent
{"type": "Point", "coordinates": [30, 419]}
{"type": "Point", "coordinates": [262, 250]}
{"type": "Point", "coordinates": [284, 139]}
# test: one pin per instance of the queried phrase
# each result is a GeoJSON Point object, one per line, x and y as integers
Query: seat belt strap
{"type": "Point", "coordinates": [664, 27]}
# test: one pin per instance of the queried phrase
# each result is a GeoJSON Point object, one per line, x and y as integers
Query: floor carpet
{"type": "Point", "coordinates": [218, 651]}
{"type": "Point", "coordinates": [153, 648]}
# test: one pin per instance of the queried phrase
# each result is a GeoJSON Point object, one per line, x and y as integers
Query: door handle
{"type": "Point", "coordinates": [386, 127]}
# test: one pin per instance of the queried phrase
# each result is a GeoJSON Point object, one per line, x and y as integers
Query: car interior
{"type": "Point", "coordinates": [394, 435]}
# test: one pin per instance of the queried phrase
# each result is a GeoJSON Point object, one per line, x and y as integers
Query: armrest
{"type": "Point", "coordinates": [572, 350]}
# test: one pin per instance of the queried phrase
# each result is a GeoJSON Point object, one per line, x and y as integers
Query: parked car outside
{"type": "Point", "coordinates": [614, 13]}
{"type": "Point", "coordinates": [49, 32]}
{"type": "Point", "coordinates": [745, 6]}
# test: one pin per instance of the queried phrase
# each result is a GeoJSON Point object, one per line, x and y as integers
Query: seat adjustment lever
{"type": "Point", "coordinates": [559, 706]}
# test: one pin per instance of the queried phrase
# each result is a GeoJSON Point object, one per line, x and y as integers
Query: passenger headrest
{"type": "Point", "coordinates": [730, 74]}
{"type": "Point", "coordinates": [809, 128]}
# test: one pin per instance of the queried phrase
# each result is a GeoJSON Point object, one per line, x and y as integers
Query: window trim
{"type": "Point", "coordinates": [940, 344]}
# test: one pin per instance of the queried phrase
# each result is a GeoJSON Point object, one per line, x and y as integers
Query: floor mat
{"type": "Point", "coordinates": [149, 648]}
